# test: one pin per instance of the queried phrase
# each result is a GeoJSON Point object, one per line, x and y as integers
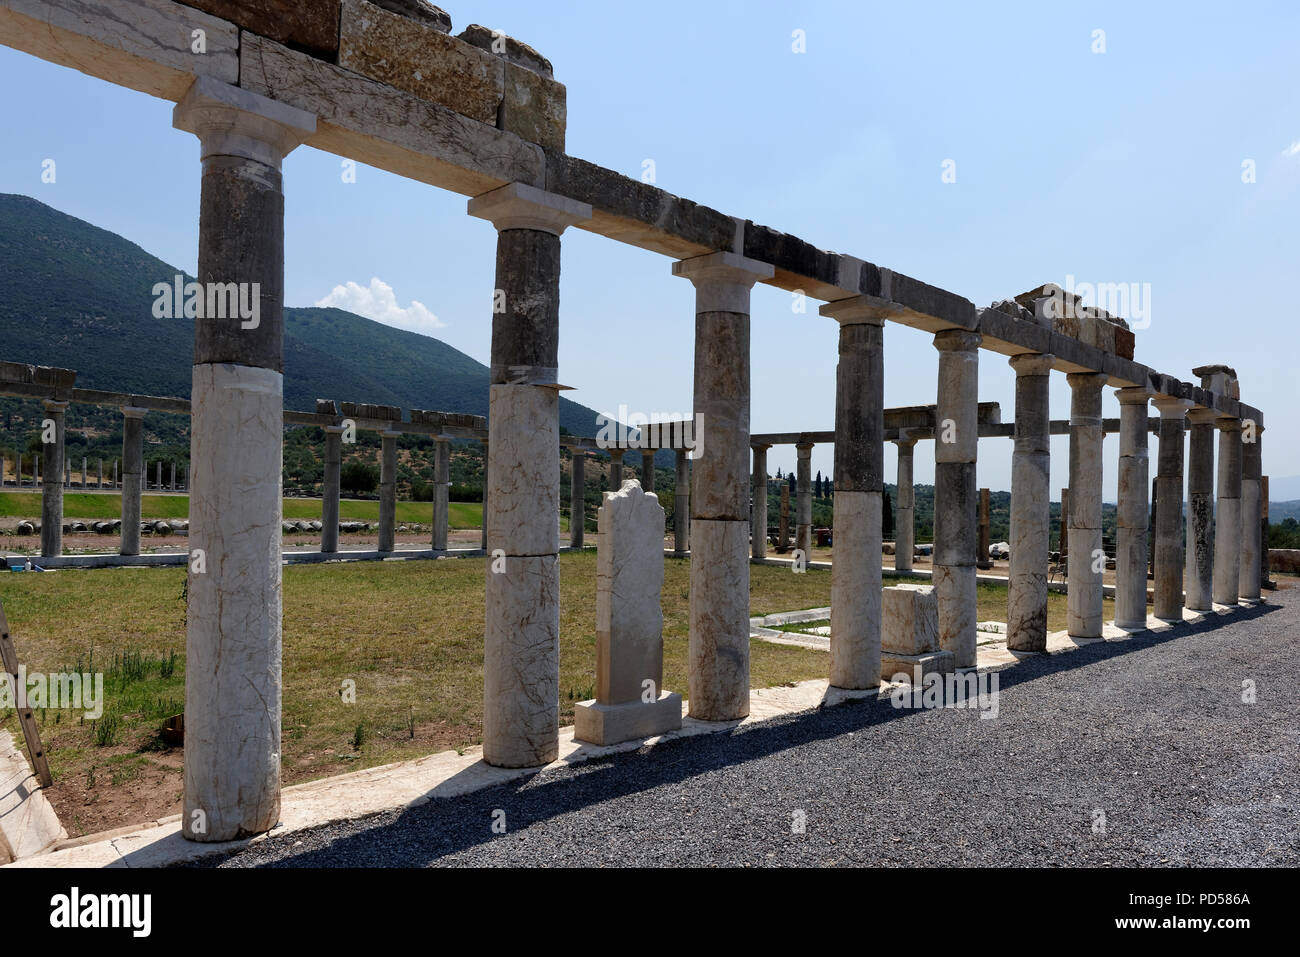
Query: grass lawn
{"type": "Point", "coordinates": [410, 634]}
{"type": "Point", "coordinates": [95, 506]}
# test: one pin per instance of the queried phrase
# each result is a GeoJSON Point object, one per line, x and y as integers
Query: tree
{"type": "Point", "coordinates": [357, 476]}
{"type": "Point", "coordinates": [791, 478]}
{"type": "Point", "coordinates": [817, 485]}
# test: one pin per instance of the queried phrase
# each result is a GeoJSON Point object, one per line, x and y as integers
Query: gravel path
{"type": "Point", "coordinates": [1152, 733]}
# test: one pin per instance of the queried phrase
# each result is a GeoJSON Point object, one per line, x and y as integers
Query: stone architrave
{"type": "Point", "coordinates": [630, 701]}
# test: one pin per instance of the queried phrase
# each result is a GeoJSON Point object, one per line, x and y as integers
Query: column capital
{"type": "Point", "coordinates": [334, 429]}
{"type": "Point", "coordinates": [391, 434]}
{"type": "Point", "coordinates": [858, 310]}
{"type": "Point", "coordinates": [1087, 381]}
{"type": "Point", "coordinates": [760, 446]}
{"type": "Point", "coordinates": [1032, 363]}
{"type": "Point", "coordinates": [957, 340]}
{"type": "Point", "coordinates": [722, 280]}
{"type": "Point", "coordinates": [905, 442]}
{"type": "Point", "coordinates": [230, 121]}
{"type": "Point", "coordinates": [1224, 423]}
{"type": "Point", "coordinates": [520, 206]}
{"type": "Point", "coordinates": [54, 405]}
{"type": "Point", "coordinates": [1134, 395]}
{"type": "Point", "coordinates": [1201, 416]}
{"type": "Point", "coordinates": [1171, 406]}
{"type": "Point", "coordinates": [133, 412]}
{"type": "Point", "coordinates": [804, 448]}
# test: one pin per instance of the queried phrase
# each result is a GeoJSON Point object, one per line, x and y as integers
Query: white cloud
{"type": "Point", "coordinates": [378, 302]}
{"type": "Point", "coordinates": [1292, 150]}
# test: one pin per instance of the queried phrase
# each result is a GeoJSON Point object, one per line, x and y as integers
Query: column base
{"type": "Point", "coordinates": [597, 723]}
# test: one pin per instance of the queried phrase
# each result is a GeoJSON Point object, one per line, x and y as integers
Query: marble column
{"type": "Point", "coordinates": [1198, 576]}
{"type": "Point", "coordinates": [955, 448]}
{"type": "Point", "coordinates": [158, 484]}
{"type": "Point", "coordinates": [1132, 515]}
{"type": "Point", "coordinates": [905, 507]}
{"type": "Point", "coordinates": [859, 492]}
{"type": "Point", "coordinates": [85, 472]}
{"type": "Point", "coordinates": [758, 504]}
{"type": "Point", "coordinates": [53, 469]}
{"type": "Point", "coordinates": [718, 652]}
{"type": "Point", "coordinates": [803, 501]}
{"type": "Point", "coordinates": [1227, 537]}
{"type": "Point", "coordinates": [232, 667]}
{"type": "Point", "coordinates": [1253, 502]}
{"type": "Point", "coordinates": [483, 522]}
{"type": "Point", "coordinates": [99, 477]}
{"type": "Point", "coordinates": [173, 476]}
{"type": "Point", "coordinates": [331, 489]}
{"type": "Point", "coordinates": [616, 469]}
{"type": "Point", "coordinates": [648, 470]}
{"type": "Point", "coordinates": [1031, 523]}
{"type": "Point", "coordinates": [521, 661]}
{"type": "Point", "coordinates": [577, 496]}
{"type": "Point", "coordinates": [388, 489]}
{"type": "Point", "coordinates": [18, 474]}
{"type": "Point", "coordinates": [783, 528]}
{"type": "Point", "coordinates": [682, 503]}
{"type": "Point", "coordinates": [132, 478]}
{"type": "Point", "coordinates": [441, 493]}
{"type": "Point", "coordinates": [1087, 560]}
{"type": "Point", "coordinates": [1169, 541]}
{"type": "Point", "coordinates": [116, 481]}
{"type": "Point", "coordinates": [983, 542]}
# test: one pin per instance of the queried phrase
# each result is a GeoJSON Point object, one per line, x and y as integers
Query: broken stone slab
{"type": "Point", "coordinates": [508, 48]}
{"type": "Point", "coordinates": [420, 10]}
{"type": "Point", "coordinates": [313, 27]}
{"type": "Point", "coordinates": [909, 620]}
{"type": "Point", "coordinates": [28, 824]}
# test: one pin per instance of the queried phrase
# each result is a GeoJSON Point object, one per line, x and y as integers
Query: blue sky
{"type": "Point", "coordinates": [1122, 166]}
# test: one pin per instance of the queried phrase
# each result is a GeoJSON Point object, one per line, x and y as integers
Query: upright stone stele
{"type": "Point", "coordinates": [1198, 577]}
{"type": "Point", "coordinates": [1132, 515]}
{"type": "Point", "coordinates": [52, 469]}
{"type": "Point", "coordinates": [521, 653]}
{"type": "Point", "coordinates": [1031, 462]}
{"type": "Point", "coordinates": [955, 448]}
{"type": "Point", "coordinates": [1087, 562]}
{"type": "Point", "coordinates": [1169, 540]}
{"type": "Point", "coordinates": [630, 701]}
{"type": "Point", "coordinates": [232, 666]}
{"type": "Point", "coordinates": [719, 597]}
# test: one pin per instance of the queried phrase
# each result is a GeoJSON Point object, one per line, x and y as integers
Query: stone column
{"type": "Point", "coordinates": [116, 481]}
{"type": "Point", "coordinates": [682, 504]}
{"type": "Point", "coordinates": [18, 474]}
{"type": "Point", "coordinates": [1169, 509]}
{"type": "Point", "coordinates": [521, 661]}
{"type": "Point", "coordinates": [983, 542]}
{"type": "Point", "coordinates": [616, 469]}
{"type": "Point", "coordinates": [159, 482]}
{"type": "Point", "coordinates": [905, 507]}
{"type": "Point", "coordinates": [173, 481]}
{"type": "Point", "coordinates": [719, 602]}
{"type": "Point", "coordinates": [483, 532]}
{"type": "Point", "coordinates": [132, 478]}
{"type": "Point", "coordinates": [1198, 576]}
{"type": "Point", "coordinates": [783, 529]}
{"type": "Point", "coordinates": [1227, 539]}
{"type": "Point", "coordinates": [955, 448]}
{"type": "Point", "coordinates": [232, 673]}
{"type": "Point", "coordinates": [67, 473]}
{"type": "Point", "coordinates": [53, 470]}
{"type": "Point", "coordinates": [803, 501]}
{"type": "Point", "coordinates": [577, 496]}
{"type": "Point", "coordinates": [85, 471]}
{"type": "Point", "coordinates": [441, 493]}
{"type": "Point", "coordinates": [1031, 522]}
{"type": "Point", "coordinates": [331, 489]}
{"type": "Point", "coordinates": [758, 506]}
{"type": "Point", "coordinates": [1087, 563]}
{"type": "Point", "coordinates": [99, 474]}
{"type": "Point", "coordinates": [859, 493]}
{"type": "Point", "coordinates": [388, 490]}
{"type": "Point", "coordinates": [1252, 510]}
{"type": "Point", "coordinates": [1132, 515]}
{"type": "Point", "coordinates": [648, 470]}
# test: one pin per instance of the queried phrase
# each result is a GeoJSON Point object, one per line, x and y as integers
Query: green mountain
{"type": "Point", "coordinates": [80, 297]}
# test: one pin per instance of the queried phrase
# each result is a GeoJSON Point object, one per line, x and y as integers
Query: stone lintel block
{"type": "Point", "coordinates": [792, 255]}
{"type": "Point", "coordinates": [53, 377]}
{"type": "Point", "coordinates": [909, 620]}
{"type": "Point", "coordinates": [523, 470]}
{"type": "Point", "coordinates": [421, 60]}
{"type": "Point", "coordinates": [231, 121]}
{"type": "Point", "coordinates": [520, 206]}
{"type": "Point", "coordinates": [17, 372]}
{"type": "Point", "coordinates": [598, 723]}
{"type": "Point", "coordinates": [899, 667]}
{"type": "Point", "coordinates": [508, 48]}
{"type": "Point", "coordinates": [28, 824]}
{"type": "Point", "coordinates": [311, 27]}
{"type": "Point", "coordinates": [1125, 342]}
{"type": "Point", "coordinates": [141, 44]}
{"type": "Point", "coordinates": [326, 407]}
{"type": "Point", "coordinates": [534, 107]}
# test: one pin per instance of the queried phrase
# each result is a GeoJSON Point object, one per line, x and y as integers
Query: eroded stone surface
{"type": "Point", "coordinates": [524, 469]}
{"type": "Point", "coordinates": [719, 611]}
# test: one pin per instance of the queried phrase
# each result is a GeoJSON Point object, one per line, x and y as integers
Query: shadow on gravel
{"type": "Point", "coordinates": [420, 836]}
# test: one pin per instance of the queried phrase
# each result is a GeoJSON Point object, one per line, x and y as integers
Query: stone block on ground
{"type": "Point", "coordinates": [936, 662]}
{"type": "Point", "coordinates": [28, 824]}
{"type": "Point", "coordinates": [909, 620]}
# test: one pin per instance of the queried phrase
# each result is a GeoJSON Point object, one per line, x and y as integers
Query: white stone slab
{"type": "Point", "coordinates": [28, 824]}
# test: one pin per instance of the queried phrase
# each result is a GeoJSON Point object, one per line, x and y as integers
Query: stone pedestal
{"type": "Point", "coordinates": [1030, 505]}
{"type": "Point", "coordinates": [522, 493]}
{"type": "Point", "coordinates": [905, 507]}
{"type": "Point", "coordinates": [53, 469]}
{"type": "Point", "coordinates": [1087, 560]}
{"type": "Point", "coordinates": [1169, 540]}
{"type": "Point", "coordinates": [1198, 576]}
{"type": "Point", "coordinates": [332, 489]}
{"type": "Point", "coordinates": [910, 633]}
{"type": "Point", "coordinates": [719, 601]}
{"type": "Point", "coordinates": [232, 667]}
{"type": "Point", "coordinates": [956, 444]}
{"type": "Point", "coordinates": [1132, 515]}
{"type": "Point", "coordinates": [1227, 538]}
{"type": "Point", "coordinates": [758, 506]}
{"type": "Point", "coordinates": [859, 493]}
{"type": "Point", "coordinates": [630, 701]}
